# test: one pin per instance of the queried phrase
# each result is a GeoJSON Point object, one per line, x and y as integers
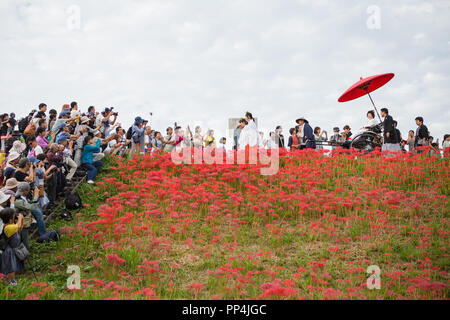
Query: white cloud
{"type": "Point", "coordinates": [201, 62]}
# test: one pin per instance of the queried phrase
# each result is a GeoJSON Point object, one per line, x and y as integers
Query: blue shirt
{"type": "Point", "coordinates": [88, 152]}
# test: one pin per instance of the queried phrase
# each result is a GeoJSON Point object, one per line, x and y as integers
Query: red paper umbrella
{"type": "Point", "coordinates": [365, 86]}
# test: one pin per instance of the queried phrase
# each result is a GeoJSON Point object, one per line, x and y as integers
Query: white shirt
{"type": "Point", "coordinates": [98, 120]}
{"type": "Point", "coordinates": [38, 150]}
{"type": "Point", "coordinates": [370, 123]}
{"type": "Point", "coordinates": [75, 113]}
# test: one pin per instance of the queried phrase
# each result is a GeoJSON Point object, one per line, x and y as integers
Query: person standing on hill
{"type": "Point", "coordinates": [398, 133]}
{"type": "Point", "coordinates": [138, 135]}
{"type": "Point", "coordinates": [411, 140]}
{"type": "Point", "coordinates": [169, 140]}
{"type": "Point", "coordinates": [391, 142]}
{"type": "Point", "coordinates": [293, 142]}
{"type": "Point", "coordinates": [279, 138]}
{"type": "Point", "coordinates": [198, 138]}
{"type": "Point", "coordinates": [249, 135]}
{"type": "Point", "coordinates": [422, 134]}
{"type": "Point", "coordinates": [237, 133]}
{"type": "Point", "coordinates": [308, 133]}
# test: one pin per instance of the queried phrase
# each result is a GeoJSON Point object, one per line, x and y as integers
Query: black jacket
{"type": "Point", "coordinates": [399, 136]}
{"type": "Point", "coordinates": [388, 125]}
{"type": "Point", "coordinates": [422, 133]}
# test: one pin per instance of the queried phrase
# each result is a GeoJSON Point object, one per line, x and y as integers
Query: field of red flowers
{"type": "Point", "coordinates": [156, 230]}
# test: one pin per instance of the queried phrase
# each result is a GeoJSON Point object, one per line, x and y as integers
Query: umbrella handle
{"type": "Point", "coordinates": [368, 93]}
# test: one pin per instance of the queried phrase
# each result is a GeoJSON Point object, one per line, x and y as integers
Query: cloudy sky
{"type": "Point", "coordinates": [204, 61]}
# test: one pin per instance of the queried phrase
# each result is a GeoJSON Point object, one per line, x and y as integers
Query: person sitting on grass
{"type": "Point", "coordinates": [87, 158]}
{"type": "Point", "coordinates": [10, 264]}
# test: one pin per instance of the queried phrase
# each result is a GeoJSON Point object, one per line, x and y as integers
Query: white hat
{"type": "Point", "coordinates": [84, 119]}
{"type": "Point", "coordinates": [13, 156]}
{"type": "Point", "coordinates": [4, 197]}
{"type": "Point", "coordinates": [19, 146]}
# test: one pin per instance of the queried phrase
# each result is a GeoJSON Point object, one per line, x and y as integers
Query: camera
{"type": "Point", "coordinates": [115, 114]}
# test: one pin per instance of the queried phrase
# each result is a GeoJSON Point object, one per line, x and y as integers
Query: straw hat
{"type": "Point", "coordinates": [11, 183]}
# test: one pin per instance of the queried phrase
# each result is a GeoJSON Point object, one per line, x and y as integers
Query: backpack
{"type": "Point", "coordinates": [20, 251]}
{"type": "Point", "coordinates": [51, 235]}
{"type": "Point", "coordinates": [73, 201]}
{"type": "Point", "coordinates": [30, 130]}
{"type": "Point", "coordinates": [129, 133]}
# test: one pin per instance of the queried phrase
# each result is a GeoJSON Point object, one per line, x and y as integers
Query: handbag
{"type": "Point", "coordinates": [20, 251]}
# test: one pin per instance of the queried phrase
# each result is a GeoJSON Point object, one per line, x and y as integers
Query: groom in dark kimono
{"type": "Point", "coordinates": [391, 141]}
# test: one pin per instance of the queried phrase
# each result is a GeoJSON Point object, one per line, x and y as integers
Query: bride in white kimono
{"type": "Point", "coordinates": [371, 122]}
{"type": "Point", "coordinates": [249, 134]}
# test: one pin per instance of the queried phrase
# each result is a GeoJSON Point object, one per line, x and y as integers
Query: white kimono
{"type": "Point", "coordinates": [249, 136]}
{"type": "Point", "coordinates": [370, 123]}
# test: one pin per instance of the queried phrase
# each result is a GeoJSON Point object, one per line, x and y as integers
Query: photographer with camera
{"type": "Point", "coordinates": [29, 208]}
{"type": "Point", "coordinates": [169, 140]}
{"type": "Point", "coordinates": [67, 150]}
{"type": "Point", "coordinates": [118, 143]}
{"type": "Point", "coordinates": [138, 135]}
{"type": "Point", "coordinates": [26, 171]}
{"type": "Point", "coordinates": [103, 120]}
{"type": "Point", "coordinates": [87, 158]}
{"type": "Point", "coordinates": [83, 128]}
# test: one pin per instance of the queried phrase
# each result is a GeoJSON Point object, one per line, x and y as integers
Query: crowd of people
{"type": "Point", "coordinates": [303, 136]}
{"type": "Point", "coordinates": [40, 155]}
{"type": "Point", "coordinates": [43, 151]}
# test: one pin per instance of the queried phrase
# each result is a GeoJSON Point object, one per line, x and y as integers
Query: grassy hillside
{"type": "Point", "coordinates": [155, 230]}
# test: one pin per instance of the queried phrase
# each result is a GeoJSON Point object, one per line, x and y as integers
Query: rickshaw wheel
{"type": "Point", "coordinates": [366, 142]}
